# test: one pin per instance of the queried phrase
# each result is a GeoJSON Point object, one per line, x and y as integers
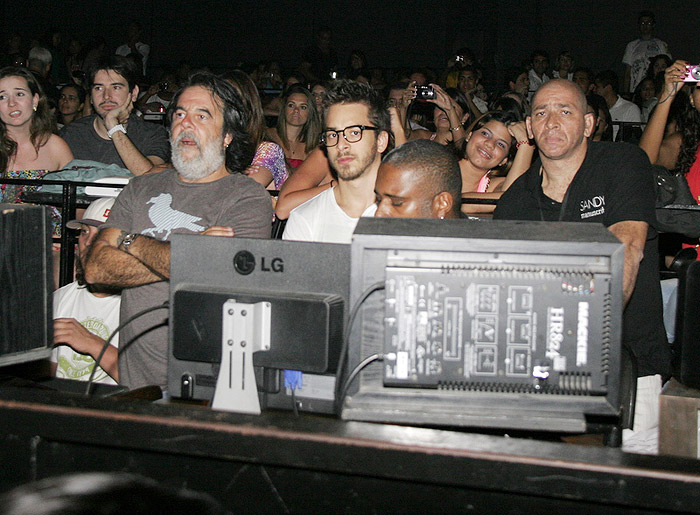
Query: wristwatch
{"type": "Point", "coordinates": [127, 241]}
{"type": "Point", "coordinates": [117, 128]}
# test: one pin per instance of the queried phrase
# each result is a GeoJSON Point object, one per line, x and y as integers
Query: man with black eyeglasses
{"type": "Point", "coordinates": [356, 133]}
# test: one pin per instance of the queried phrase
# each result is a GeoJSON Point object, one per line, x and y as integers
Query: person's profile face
{"type": "Point", "coordinates": [467, 81]}
{"type": "Point", "coordinates": [399, 193]}
{"type": "Point", "coordinates": [522, 84]}
{"type": "Point", "coordinates": [296, 109]}
{"type": "Point", "coordinates": [489, 145]}
{"type": "Point", "coordinates": [646, 26]}
{"type": "Point", "coordinates": [559, 122]}
{"type": "Point", "coordinates": [695, 96]}
{"type": "Point", "coordinates": [352, 160]}
{"type": "Point", "coordinates": [16, 101]}
{"type": "Point", "coordinates": [646, 90]}
{"type": "Point", "coordinates": [109, 91]}
{"type": "Point", "coordinates": [69, 101]}
{"type": "Point", "coordinates": [583, 81]}
{"type": "Point", "coordinates": [540, 64]}
{"type": "Point", "coordinates": [600, 89]}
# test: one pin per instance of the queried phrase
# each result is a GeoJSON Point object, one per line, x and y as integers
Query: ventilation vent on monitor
{"type": "Point", "coordinates": [605, 335]}
{"type": "Point", "coordinates": [571, 275]}
{"type": "Point", "coordinates": [574, 383]}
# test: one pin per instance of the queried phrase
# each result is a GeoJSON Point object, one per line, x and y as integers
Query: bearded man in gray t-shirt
{"type": "Point", "coordinates": [205, 193]}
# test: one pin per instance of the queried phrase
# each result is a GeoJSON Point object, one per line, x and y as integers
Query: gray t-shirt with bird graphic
{"type": "Point", "coordinates": [159, 205]}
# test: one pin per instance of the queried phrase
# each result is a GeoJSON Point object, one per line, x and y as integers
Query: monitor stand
{"type": "Point", "coordinates": [245, 330]}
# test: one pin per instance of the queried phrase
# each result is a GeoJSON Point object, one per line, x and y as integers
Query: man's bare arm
{"type": "Point", "coordinates": [108, 265]}
{"type": "Point", "coordinates": [155, 254]}
{"type": "Point", "coordinates": [634, 235]}
{"type": "Point", "coordinates": [134, 160]}
{"type": "Point", "coordinates": [70, 332]}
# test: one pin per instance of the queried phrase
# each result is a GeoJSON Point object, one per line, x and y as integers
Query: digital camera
{"type": "Point", "coordinates": [426, 92]}
{"type": "Point", "coordinates": [693, 73]}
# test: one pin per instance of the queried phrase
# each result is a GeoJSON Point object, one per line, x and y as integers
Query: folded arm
{"type": "Point", "coordinates": [108, 265]}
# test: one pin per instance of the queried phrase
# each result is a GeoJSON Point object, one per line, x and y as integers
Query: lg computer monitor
{"type": "Point", "coordinates": [284, 302]}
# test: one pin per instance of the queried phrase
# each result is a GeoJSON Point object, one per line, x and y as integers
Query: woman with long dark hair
{"type": "Point", "coordinates": [28, 148]}
{"type": "Point", "coordinates": [298, 126]}
{"type": "Point", "coordinates": [679, 151]}
{"type": "Point", "coordinates": [268, 166]}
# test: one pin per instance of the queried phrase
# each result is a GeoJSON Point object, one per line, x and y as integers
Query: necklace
{"type": "Point", "coordinates": [293, 146]}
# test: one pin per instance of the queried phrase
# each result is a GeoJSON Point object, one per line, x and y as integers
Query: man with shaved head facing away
{"type": "Point", "coordinates": [576, 180]}
{"type": "Point", "coordinates": [419, 179]}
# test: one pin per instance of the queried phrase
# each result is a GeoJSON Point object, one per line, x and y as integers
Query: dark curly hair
{"type": "Point", "coordinates": [240, 153]}
{"type": "Point", "coordinates": [688, 125]}
{"type": "Point", "coordinates": [40, 128]}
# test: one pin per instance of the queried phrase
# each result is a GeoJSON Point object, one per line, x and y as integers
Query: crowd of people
{"type": "Point", "coordinates": [410, 143]}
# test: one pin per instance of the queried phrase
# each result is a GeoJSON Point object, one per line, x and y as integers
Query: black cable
{"type": "Point", "coordinates": [379, 285]}
{"type": "Point", "coordinates": [295, 409]}
{"type": "Point", "coordinates": [355, 371]}
{"type": "Point", "coordinates": [121, 348]}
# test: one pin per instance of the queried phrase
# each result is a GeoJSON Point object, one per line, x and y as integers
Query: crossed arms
{"type": "Point", "coordinates": [146, 261]}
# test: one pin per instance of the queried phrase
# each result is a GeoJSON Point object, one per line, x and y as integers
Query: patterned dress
{"type": "Point", "coordinates": [12, 194]}
{"type": "Point", "coordinates": [271, 156]}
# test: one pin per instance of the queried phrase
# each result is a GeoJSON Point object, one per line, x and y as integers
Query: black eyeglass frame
{"type": "Point", "coordinates": [363, 128]}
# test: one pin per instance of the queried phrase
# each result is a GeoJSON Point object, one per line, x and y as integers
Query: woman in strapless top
{"type": "Point", "coordinates": [298, 126]}
{"type": "Point", "coordinates": [28, 148]}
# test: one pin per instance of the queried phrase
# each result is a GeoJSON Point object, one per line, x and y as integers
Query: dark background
{"type": "Point", "coordinates": [391, 33]}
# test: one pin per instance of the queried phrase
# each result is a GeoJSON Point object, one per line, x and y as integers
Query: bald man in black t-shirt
{"type": "Point", "coordinates": [610, 183]}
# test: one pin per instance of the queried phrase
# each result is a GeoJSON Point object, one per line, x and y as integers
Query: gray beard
{"type": "Point", "coordinates": [210, 158]}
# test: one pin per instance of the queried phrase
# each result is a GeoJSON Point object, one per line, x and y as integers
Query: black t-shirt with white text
{"type": "Point", "coordinates": [613, 184]}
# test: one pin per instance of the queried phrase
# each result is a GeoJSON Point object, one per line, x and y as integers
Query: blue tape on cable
{"type": "Point", "coordinates": [292, 379]}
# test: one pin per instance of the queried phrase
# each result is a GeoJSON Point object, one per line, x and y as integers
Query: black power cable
{"type": "Point", "coordinates": [106, 345]}
{"type": "Point", "coordinates": [379, 285]}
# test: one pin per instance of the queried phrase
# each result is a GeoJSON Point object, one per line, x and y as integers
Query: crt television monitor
{"type": "Point", "coordinates": [496, 324]}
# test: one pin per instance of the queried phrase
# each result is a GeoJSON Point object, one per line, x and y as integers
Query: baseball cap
{"type": "Point", "coordinates": [96, 214]}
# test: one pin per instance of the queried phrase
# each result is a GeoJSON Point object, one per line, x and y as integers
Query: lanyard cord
{"type": "Point", "coordinates": [541, 194]}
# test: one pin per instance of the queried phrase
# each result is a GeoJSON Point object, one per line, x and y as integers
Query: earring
{"type": "Point", "coordinates": [442, 217]}
{"type": "Point", "coordinates": [34, 107]}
